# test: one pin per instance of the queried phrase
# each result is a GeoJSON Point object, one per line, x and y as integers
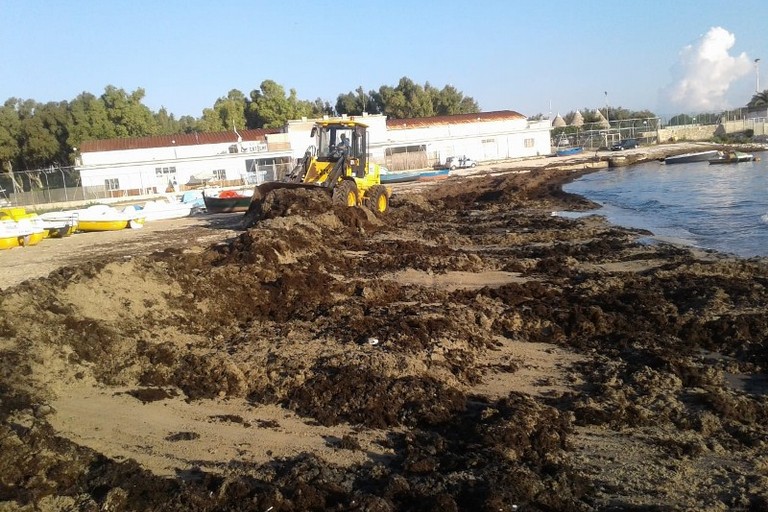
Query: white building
{"type": "Point", "coordinates": [148, 165]}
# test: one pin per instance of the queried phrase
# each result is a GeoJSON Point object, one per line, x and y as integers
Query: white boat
{"type": "Point", "coordinates": [28, 226]}
{"type": "Point", "coordinates": [700, 156]}
{"type": "Point", "coordinates": [732, 157]}
{"type": "Point", "coordinates": [102, 217]}
{"type": "Point", "coordinates": [161, 209]}
{"type": "Point", "coordinates": [59, 224]}
{"type": "Point", "coordinates": [32, 228]}
{"type": "Point", "coordinates": [10, 234]}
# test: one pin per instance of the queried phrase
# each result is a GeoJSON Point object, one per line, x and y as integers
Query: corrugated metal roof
{"type": "Point", "coordinates": [179, 139]}
{"type": "Point", "coordinates": [421, 122]}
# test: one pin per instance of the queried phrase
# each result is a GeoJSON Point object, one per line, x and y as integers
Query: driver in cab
{"type": "Point", "coordinates": [343, 146]}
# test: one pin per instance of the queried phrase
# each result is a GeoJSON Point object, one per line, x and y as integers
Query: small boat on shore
{"type": "Point", "coordinates": [10, 234]}
{"type": "Point", "coordinates": [102, 217]}
{"type": "Point", "coordinates": [161, 209]}
{"type": "Point", "coordinates": [408, 176]}
{"type": "Point", "coordinates": [686, 158]}
{"type": "Point", "coordinates": [573, 150]}
{"type": "Point", "coordinates": [732, 157]}
{"type": "Point", "coordinates": [227, 201]}
{"type": "Point", "coordinates": [59, 224]}
{"type": "Point", "coordinates": [28, 226]}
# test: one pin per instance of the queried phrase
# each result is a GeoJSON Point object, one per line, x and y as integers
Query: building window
{"type": "Point", "coordinates": [529, 143]}
{"type": "Point", "coordinates": [220, 174]}
{"type": "Point", "coordinates": [489, 141]}
{"type": "Point", "coordinates": [164, 171]}
{"type": "Point", "coordinates": [112, 184]}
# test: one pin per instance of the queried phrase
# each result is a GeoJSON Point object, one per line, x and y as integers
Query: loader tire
{"type": "Point", "coordinates": [345, 193]}
{"type": "Point", "coordinates": [378, 199]}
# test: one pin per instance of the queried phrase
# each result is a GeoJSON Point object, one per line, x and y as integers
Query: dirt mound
{"type": "Point", "coordinates": [465, 351]}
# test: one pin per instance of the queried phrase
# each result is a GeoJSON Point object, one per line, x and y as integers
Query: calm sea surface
{"type": "Point", "coordinates": [720, 207]}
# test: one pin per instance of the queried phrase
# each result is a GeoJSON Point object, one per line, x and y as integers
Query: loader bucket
{"type": "Point", "coordinates": [255, 211]}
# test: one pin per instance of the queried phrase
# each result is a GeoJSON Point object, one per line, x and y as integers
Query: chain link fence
{"type": "Point", "coordinates": [56, 186]}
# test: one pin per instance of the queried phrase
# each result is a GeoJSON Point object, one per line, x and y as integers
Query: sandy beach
{"type": "Point", "coordinates": [465, 351]}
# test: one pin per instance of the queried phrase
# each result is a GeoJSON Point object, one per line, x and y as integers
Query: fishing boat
{"type": "Point", "coordinates": [732, 157]}
{"type": "Point", "coordinates": [686, 158]}
{"type": "Point", "coordinates": [102, 217]}
{"type": "Point", "coordinates": [227, 201]}
{"type": "Point", "coordinates": [407, 176]}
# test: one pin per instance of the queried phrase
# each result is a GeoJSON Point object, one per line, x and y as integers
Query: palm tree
{"type": "Point", "coordinates": [759, 100]}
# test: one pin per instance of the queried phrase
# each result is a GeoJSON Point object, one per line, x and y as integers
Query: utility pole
{"type": "Point", "coordinates": [607, 118]}
{"type": "Point", "coordinates": [757, 75]}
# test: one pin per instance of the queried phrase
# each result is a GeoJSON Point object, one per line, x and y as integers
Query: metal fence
{"type": "Point", "coordinates": [41, 188]}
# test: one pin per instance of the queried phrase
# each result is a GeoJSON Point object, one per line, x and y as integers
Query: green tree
{"type": "Point", "coordinates": [37, 142]}
{"type": "Point", "coordinates": [227, 113]}
{"type": "Point", "coordinates": [450, 101]}
{"type": "Point", "coordinates": [89, 120]}
{"type": "Point", "coordinates": [409, 100]}
{"type": "Point", "coordinates": [759, 100]}
{"type": "Point", "coordinates": [10, 132]}
{"type": "Point", "coordinates": [166, 123]}
{"type": "Point", "coordinates": [129, 116]}
{"type": "Point", "coordinates": [321, 108]}
{"type": "Point", "coordinates": [418, 100]}
{"type": "Point", "coordinates": [355, 103]}
{"type": "Point", "coordinates": [188, 124]}
{"type": "Point", "coordinates": [55, 118]}
{"type": "Point", "coordinates": [270, 108]}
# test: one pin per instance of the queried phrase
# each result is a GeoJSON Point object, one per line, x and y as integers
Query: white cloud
{"type": "Point", "coordinates": [705, 72]}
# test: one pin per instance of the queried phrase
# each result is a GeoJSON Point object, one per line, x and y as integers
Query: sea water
{"type": "Point", "coordinates": [717, 207]}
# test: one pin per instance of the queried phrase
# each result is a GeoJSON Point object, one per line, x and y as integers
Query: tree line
{"type": "Point", "coordinates": [37, 135]}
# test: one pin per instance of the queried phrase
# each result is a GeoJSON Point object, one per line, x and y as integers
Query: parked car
{"type": "Point", "coordinates": [625, 144]}
{"type": "Point", "coordinates": [459, 162]}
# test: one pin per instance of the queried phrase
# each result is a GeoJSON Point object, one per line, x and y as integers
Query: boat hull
{"type": "Point", "coordinates": [569, 151]}
{"type": "Point", "coordinates": [407, 176]}
{"type": "Point", "coordinates": [34, 238]}
{"type": "Point", "coordinates": [227, 204]}
{"type": "Point", "coordinates": [732, 158]}
{"type": "Point", "coordinates": [86, 225]}
{"type": "Point", "coordinates": [702, 156]}
{"type": "Point", "coordinates": [9, 242]}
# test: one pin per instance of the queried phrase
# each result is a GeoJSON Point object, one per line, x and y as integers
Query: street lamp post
{"type": "Point", "coordinates": [757, 75]}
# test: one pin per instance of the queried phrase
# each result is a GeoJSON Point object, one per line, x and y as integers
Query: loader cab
{"type": "Point", "coordinates": [331, 146]}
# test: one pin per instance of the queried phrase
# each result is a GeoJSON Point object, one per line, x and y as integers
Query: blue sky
{"type": "Point", "coordinates": [669, 56]}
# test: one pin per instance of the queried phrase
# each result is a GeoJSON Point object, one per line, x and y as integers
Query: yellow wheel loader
{"type": "Point", "coordinates": [336, 164]}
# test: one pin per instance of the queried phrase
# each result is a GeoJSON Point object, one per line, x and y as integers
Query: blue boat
{"type": "Point", "coordinates": [575, 150]}
{"type": "Point", "coordinates": [406, 176]}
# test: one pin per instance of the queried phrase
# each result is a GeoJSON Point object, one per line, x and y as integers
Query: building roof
{"type": "Point", "coordinates": [179, 139]}
{"type": "Point", "coordinates": [578, 119]}
{"type": "Point", "coordinates": [422, 122]}
{"type": "Point", "coordinates": [192, 139]}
